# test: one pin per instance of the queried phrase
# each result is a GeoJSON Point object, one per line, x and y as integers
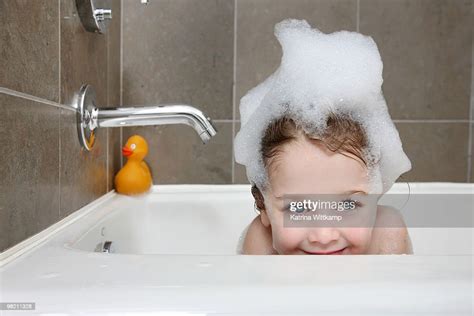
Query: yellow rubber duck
{"type": "Point", "coordinates": [135, 176]}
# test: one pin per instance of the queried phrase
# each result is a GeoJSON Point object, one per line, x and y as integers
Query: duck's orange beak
{"type": "Point", "coordinates": [127, 151]}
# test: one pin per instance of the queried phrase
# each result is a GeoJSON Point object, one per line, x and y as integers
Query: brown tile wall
{"type": "Point", "coordinates": [177, 51]}
{"type": "Point", "coordinates": [45, 57]}
{"type": "Point", "coordinates": [183, 51]}
{"type": "Point", "coordinates": [427, 51]}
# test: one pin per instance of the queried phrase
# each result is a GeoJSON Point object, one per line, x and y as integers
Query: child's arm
{"type": "Point", "coordinates": [390, 236]}
{"type": "Point", "coordinates": [258, 240]}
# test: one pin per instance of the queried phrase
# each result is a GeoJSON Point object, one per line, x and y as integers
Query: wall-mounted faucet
{"type": "Point", "coordinates": [89, 117]}
{"type": "Point", "coordinates": [95, 14]}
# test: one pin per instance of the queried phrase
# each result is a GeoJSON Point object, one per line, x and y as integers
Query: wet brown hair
{"type": "Point", "coordinates": [341, 135]}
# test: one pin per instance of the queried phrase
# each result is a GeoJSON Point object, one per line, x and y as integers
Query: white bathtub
{"type": "Point", "coordinates": [169, 261]}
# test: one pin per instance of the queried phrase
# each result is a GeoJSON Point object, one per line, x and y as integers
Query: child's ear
{"type": "Point", "coordinates": [264, 218]}
{"type": "Point", "coordinates": [259, 202]}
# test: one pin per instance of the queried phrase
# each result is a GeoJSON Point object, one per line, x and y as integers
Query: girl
{"type": "Point", "coordinates": [296, 163]}
{"type": "Point", "coordinates": [320, 125]}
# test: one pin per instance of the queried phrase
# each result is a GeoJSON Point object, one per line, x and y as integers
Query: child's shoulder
{"type": "Point", "coordinates": [258, 239]}
{"type": "Point", "coordinates": [390, 234]}
{"type": "Point", "coordinates": [387, 214]}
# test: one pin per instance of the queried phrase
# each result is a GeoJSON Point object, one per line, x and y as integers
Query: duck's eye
{"type": "Point", "coordinates": [133, 146]}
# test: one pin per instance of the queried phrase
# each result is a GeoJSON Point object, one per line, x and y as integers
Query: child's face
{"type": "Point", "coordinates": [306, 166]}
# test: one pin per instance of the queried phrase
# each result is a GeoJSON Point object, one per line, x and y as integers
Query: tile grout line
{"type": "Point", "coordinates": [60, 110]}
{"type": "Point", "coordinates": [108, 104]}
{"type": "Point", "coordinates": [471, 106]}
{"type": "Point", "coordinates": [122, 9]}
{"type": "Point", "coordinates": [35, 99]}
{"type": "Point", "coordinates": [357, 15]}
{"type": "Point", "coordinates": [234, 90]}
{"type": "Point", "coordinates": [222, 121]}
{"type": "Point", "coordinates": [59, 168]}
{"type": "Point", "coordinates": [431, 121]}
{"type": "Point", "coordinates": [120, 145]}
{"type": "Point", "coordinates": [59, 49]}
{"type": "Point", "coordinates": [398, 121]}
{"type": "Point", "coordinates": [469, 151]}
{"type": "Point", "coordinates": [107, 164]}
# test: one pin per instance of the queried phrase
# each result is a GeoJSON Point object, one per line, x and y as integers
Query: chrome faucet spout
{"type": "Point", "coordinates": [158, 115]}
{"type": "Point", "coordinates": [90, 117]}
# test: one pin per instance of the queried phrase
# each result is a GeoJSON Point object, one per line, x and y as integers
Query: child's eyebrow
{"type": "Point", "coordinates": [342, 193]}
{"type": "Point", "coordinates": [355, 191]}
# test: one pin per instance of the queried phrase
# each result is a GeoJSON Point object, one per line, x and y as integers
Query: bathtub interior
{"type": "Point", "coordinates": [173, 223]}
{"type": "Point", "coordinates": [210, 221]}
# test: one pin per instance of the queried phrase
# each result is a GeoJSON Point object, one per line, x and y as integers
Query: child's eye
{"type": "Point", "coordinates": [351, 204]}
{"type": "Point", "coordinates": [292, 208]}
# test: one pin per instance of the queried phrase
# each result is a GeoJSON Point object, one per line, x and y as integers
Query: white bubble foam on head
{"type": "Point", "coordinates": [321, 73]}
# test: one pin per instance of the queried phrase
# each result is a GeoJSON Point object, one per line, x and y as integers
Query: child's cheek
{"type": "Point", "coordinates": [358, 238]}
{"type": "Point", "coordinates": [286, 240]}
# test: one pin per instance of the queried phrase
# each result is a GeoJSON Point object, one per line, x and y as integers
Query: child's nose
{"type": "Point", "coordinates": [323, 235]}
